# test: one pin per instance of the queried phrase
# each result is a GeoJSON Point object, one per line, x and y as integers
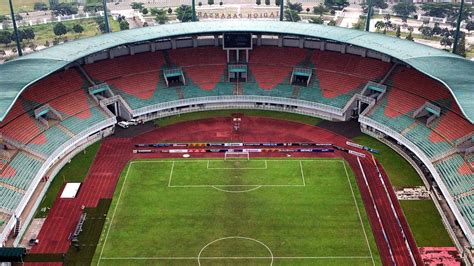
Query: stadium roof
{"type": "Point", "coordinates": [455, 72]}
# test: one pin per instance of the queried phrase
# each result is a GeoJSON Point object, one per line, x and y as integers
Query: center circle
{"type": "Point", "coordinates": [234, 239]}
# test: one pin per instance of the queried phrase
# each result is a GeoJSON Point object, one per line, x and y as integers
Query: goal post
{"type": "Point", "coordinates": [232, 155]}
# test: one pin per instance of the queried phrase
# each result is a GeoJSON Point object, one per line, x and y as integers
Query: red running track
{"type": "Point", "coordinates": [114, 153]}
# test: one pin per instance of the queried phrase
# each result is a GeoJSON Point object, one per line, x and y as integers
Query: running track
{"type": "Point", "coordinates": [395, 246]}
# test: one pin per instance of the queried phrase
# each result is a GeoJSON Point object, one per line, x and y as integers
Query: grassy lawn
{"type": "Point", "coordinates": [75, 171]}
{"type": "Point", "coordinates": [236, 212]}
{"type": "Point", "coordinates": [400, 172]}
{"type": "Point", "coordinates": [425, 223]}
{"type": "Point", "coordinates": [166, 121]}
{"type": "Point", "coordinates": [44, 32]}
{"type": "Point", "coordinates": [21, 5]}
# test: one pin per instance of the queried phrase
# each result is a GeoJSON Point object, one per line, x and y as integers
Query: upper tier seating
{"type": "Point", "coordinates": [272, 65]}
{"type": "Point", "coordinates": [202, 66]}
{"type": "Point", "coordinates": [451, 125]}
{"type": "Point", "coordinates": [119, 67]}
{"type": "Point", "coordinates": [54, 86]}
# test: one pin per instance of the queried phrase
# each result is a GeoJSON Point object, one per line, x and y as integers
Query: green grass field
{"type": "Point", "coordinates": [304, 119]}
{"type": "Point", "coordinates": [216, 212]}
{"type": "Point", "coordinates": [425, 223]}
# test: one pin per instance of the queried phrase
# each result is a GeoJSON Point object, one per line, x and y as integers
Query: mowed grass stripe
{"type": "Point", "coordinates": [155, 221]}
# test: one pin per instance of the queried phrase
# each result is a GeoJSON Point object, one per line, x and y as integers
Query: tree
{"type": "Point", "coordinates": [360, 24]}
{"type": "Point", "coordinates": [160, 15]}
{"type": "Point", "coordinates": [292, 15]}
{"type": "Point", "coordinates": [298, 7]}
{"type": "Point", "coordinates": [200, 4]}
{"type": "Point", "coordinates": [379, 25]}
{"type": "Point", "coordinates": [221, 3]}
{"type": "Point", "coordinates": [78, 29]}
{"type": "Point", "coordinates": [184, 13]}
{"type": "Point", "coordinates": [332, 22]}
{"type": "Point", "coordinates": [29, 34]}
{"type": "Point", "coordinates": [93, 7]}
{"type": "Point", "coordinates": [426, 30]}
{"type": "Point", "coordinates": [308, 9]}
{"type": "Point", "coordinates": [258, 2]}
{"type": "Point", "coordinates": [124, 25]}
{"type": "Point", "coordinates": [398, 33]}
{"type": "Point", "coordinates": [470, 26]}
{"type": "Point", "coordinates": [319, 10]}
{"type": "Point", "coordinates": [437, 29]}
{"type": "Point", "coordinates": [267, 2]}
{"type": "Point", "coordinates": [64, 9]}
{"type": "Point", "coordinates": [40, 6]}
{"type": "Point", "coordinates": [278, 2]}
{"type": "Point", "coordinates": [210, 2]}
{"type": "Point", "coordinates": [171, 10]}
{"type": "Point", "coordinates": [316, 20]}
{"type": "Point", "coordinates": [137, 6]}
{"type": "Point", "coordinates": [144, 11]}
{"type": "Point", "coordinates": [5, 37]}
{"type": "Point", "coordinates": [446, 41]}
{"type": "Point", "coordinates": [410, 36]}
{"type": "Point", "coordinates": [404, 9]}
{"type": "Point", "coordinates": [101, 23]}
{"type": "Point", "coordinates": [59, 29]}
{"type": "Point", "coordinates": [336, 4]}
{"type": "Point", "coordinates": [3, 18]}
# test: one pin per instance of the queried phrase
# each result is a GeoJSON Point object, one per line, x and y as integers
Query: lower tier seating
{"type": "Point", "coordinates": [9, 199]}
{"type": "Point", "coordinates": [20, 171]}
{"type": "Point", "coordinates": [414, 131]}
{"type": "Point", "coordinates": [465, 205]}
{"type": "Point", "coordinates": [77, 125]}
{"type": "Point", "coordinates": [456, 174]}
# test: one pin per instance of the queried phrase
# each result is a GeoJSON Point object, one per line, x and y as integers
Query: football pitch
{"type": "Point", "coordinates": [237, 212]}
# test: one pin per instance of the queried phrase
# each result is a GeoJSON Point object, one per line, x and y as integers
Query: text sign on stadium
{"type": "Point", "coordinates": [237, 41]}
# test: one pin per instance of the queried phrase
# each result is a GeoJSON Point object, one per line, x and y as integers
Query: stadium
{"type": "Point", "coordinates": [234, 143]}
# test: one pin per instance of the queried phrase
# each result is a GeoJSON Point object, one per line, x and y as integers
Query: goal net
{"type": "Point", "coordinates": [239, 155]}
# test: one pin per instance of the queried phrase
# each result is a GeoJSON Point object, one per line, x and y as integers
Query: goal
{"type": "Point", "coordinates": [232, 155]}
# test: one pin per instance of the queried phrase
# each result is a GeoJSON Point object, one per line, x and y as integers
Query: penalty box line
{"type": "Point", "coordinates": [248, 168]}
{"type": "Point", "coordinates": [235, 168]}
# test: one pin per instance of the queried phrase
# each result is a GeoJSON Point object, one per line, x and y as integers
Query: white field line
{"type": "Point", "coordinates": [256, 185]}
{"type": "Point", "coordinates": [113, 214]}
{"type": "Point", "coordinates": [358, 212]}
{"type": "Point", "coordinates": [171, 175]}
{"type": "Point", "coordinates": [302, 173]}
{"type": "Point", "coordinates": [233, 168]}
{"type": "Point", "coordinates": [223, 258]}
{"type": "Point", "coordinates": [202, 160]}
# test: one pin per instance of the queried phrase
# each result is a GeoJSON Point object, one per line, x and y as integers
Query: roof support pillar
{"type": "Point", "coordinates": [301, 43]}
{"type": "Point", "coordinates": [343, 48]}
{"type": "Point", "coordinates": [15, 29]}
{"type": "Point", "coordinates": [280, 40]}
{"type": "Point", "coordinates": [322, 45]}
{"type": "Point", "coordinates": [152, 47]}
{"type": "Point", "coordinates": [195, 42]}
{"type": "Point", "coordinates": [259, 39]}
{"type": "Point", "coordinates": [458, 26]}
{"type": "Point", "coordinates": [173, 43]}
{"type": "Point", "coordinates": [216, 40]}
{"type": "Point", "coordinates": [111, 54]}
{"type": "Point", "coordinates": [132, 49]}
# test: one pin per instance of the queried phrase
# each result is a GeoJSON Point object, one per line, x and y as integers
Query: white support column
{"type": "Point", "coordinates": [237, 54]}
{"type": "Point", "coordinates": [322, 46]}
{"type": "Point", "coordinates": [259, 40]}
{"type": "Point", "coordinates": [132, 50]}
{"type": "Point", "coordinates": [343, 48]}
{"type": "Point", "coordinates": [301, 44]}
{"type": "Point", "coordinates": [280, 41]}
{"type": "Point", "coordinates": [173, 43]}
{"type": "Point", "coordinates": [195, 43]}
{"type": "Point", "coordinates": [111, 54]}
{"type": "Point", "coordinates": [246, 56]}
{"type": "Point", "coordinates": [152, 47]}
{"type": "Point", "coordinates": [216, 40]}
